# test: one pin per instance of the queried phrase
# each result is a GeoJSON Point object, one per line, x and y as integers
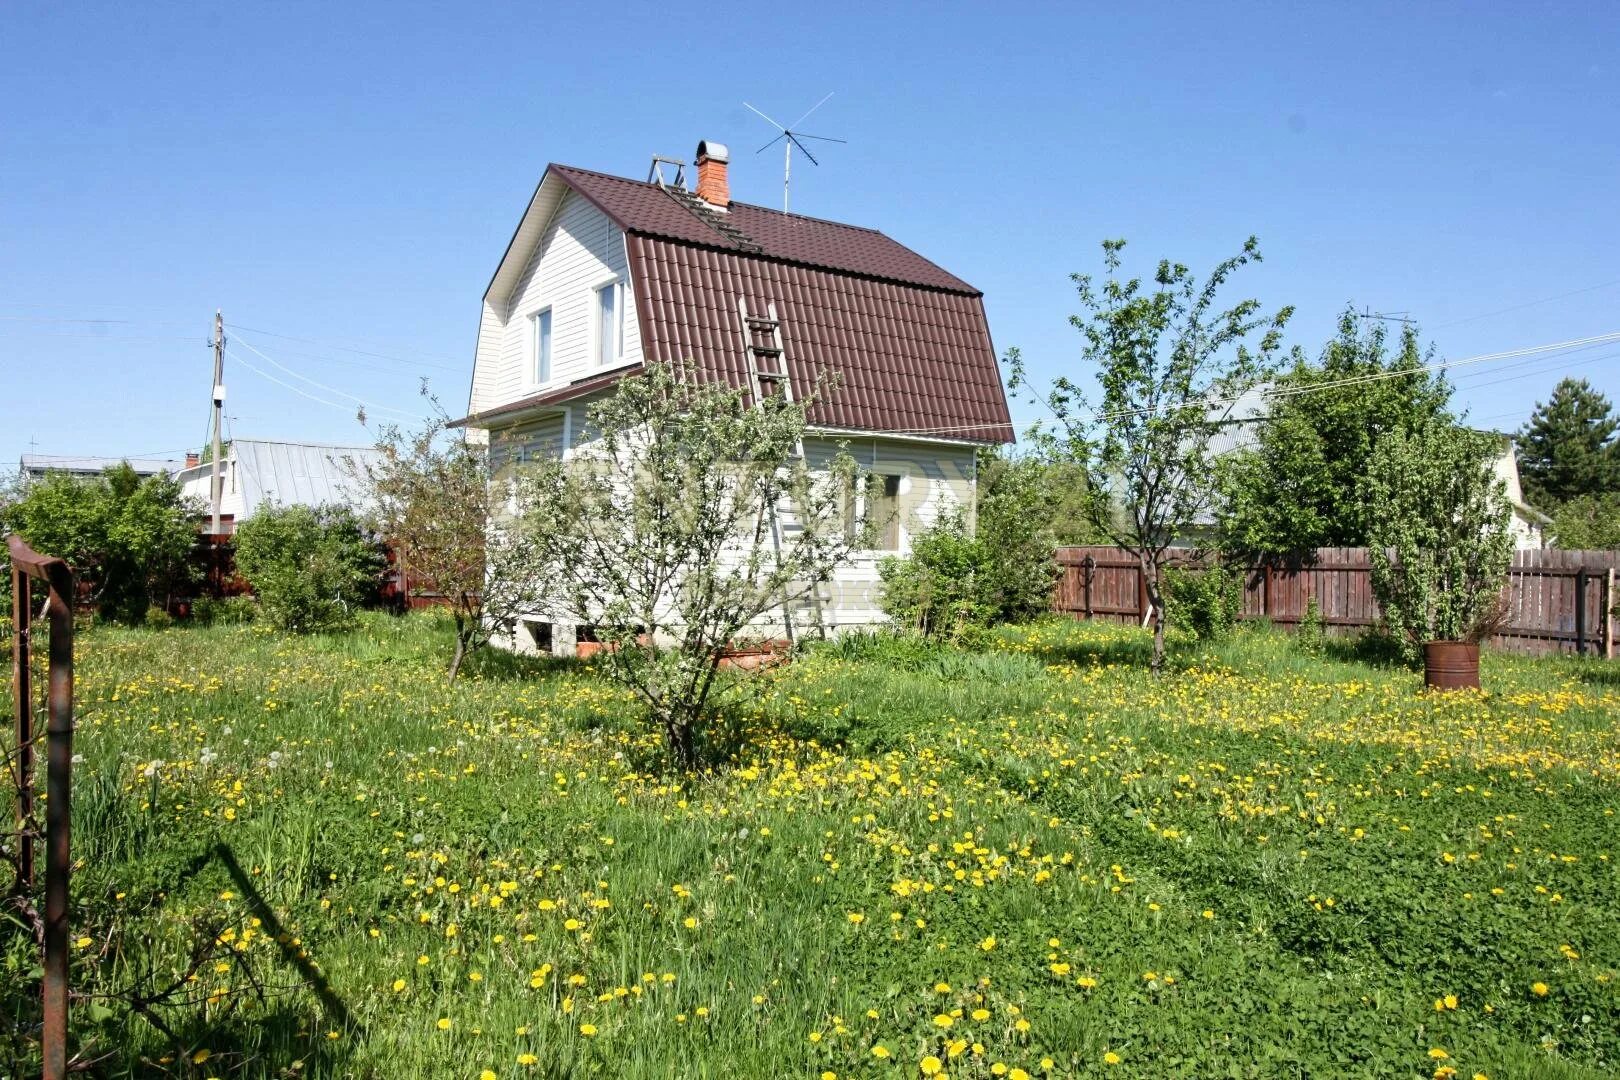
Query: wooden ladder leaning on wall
{"type": "Point", "coordinates": [768, 377]}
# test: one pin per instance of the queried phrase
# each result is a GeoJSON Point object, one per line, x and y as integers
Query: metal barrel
{"type": "Point", "coordinates": [1451, 665]}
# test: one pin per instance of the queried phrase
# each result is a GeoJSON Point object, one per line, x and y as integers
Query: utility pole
{"type": "Point", "coordinates": [216, 488]}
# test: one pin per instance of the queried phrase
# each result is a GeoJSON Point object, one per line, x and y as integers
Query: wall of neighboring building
{"type": "Point", "coordinates": [579, 252]}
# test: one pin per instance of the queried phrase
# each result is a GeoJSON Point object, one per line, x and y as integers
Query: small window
{"type": "Point", "coordinates": [874, 501]}
{"type": "Point", "coordinates": [610, 325]}
{"type": "Point", "coordinates": [542, 346]}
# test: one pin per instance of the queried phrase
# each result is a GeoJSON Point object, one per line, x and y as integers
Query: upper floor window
{"type": "Point", "coordinates": [542, 346]}
{"type": "Point", "coordinates": [609, 324]}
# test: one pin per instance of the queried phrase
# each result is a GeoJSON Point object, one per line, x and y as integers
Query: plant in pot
{"type": "Point", "coordinates": [1441, 545]}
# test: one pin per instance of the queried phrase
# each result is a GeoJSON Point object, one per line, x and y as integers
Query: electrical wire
{"type": "Point", "coordinates": [451, 365]}
{"type": "Point", "coordinates": [322, 386]}
{"type": "Point", "coordinates": [1576, 344]}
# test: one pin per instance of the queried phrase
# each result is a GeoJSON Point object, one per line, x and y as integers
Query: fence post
{"type": "Point", "coordinates": [1088, 567]}
{"type": "Point", "coordinates": [1608, 618]}
{"type": "Point", "coordinates": [1580, 612]}
{"type": "Point", "coordinates": [23, 703]}
{"type": "Point", "coordinates": [54, 573]}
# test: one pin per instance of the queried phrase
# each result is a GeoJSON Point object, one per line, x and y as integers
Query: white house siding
{"type": "Point", "coordinates": [935, 477]}
{"type": "Point", "coordinates": [543, 437]}
{"type": "Point", "coordinates": [580, 251]}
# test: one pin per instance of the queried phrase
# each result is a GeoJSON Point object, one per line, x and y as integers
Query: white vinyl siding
{"type": "Point", "coordinates": [579, 250]}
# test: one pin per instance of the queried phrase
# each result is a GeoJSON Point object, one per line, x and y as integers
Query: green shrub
{"type": "Point", "coordinates": [229, 611]}
{"type": "Point", "coordinates": [158, 618]}
{"type": "Point", "coordinates": [311, 568]}
{"type": "Point", "coordinates": [1312, 635]}
{"type": "Point", "coordinates": [128, 537]}
{"type": "Point", "coordinates": [1205, 601]}
{"type": "Point", "coordinates": [945, 587]}
{"type": "Point", "coordinates": [1439, 534]}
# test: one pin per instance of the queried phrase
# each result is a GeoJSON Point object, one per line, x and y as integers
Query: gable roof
{"type": "Point", "coordinates": [292, 473]}
{"type": "Point", "coordinates": [908, 340]}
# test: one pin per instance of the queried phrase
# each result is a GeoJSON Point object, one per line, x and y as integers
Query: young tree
{"type": "Point", "coordinates": [1303, 484]}
{"type": "Point", "coordinates": [1171, 365]}
{"type": "Point", "coordinates": [659, 530]}
{"type": "Point", "coordinates": [129, 536]}
{"type": "Point", "coordinates": [1439, 533]}
{"type": "Point", "coordinates": [437, 505]}
{"type": "Point", "coordinates": [1569, 448]}
{"type": "Point", "coordinates": [311, 568]}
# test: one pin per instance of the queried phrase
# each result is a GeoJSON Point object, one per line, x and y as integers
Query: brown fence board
{"type": "Point", "coordinates": [1543, 593]}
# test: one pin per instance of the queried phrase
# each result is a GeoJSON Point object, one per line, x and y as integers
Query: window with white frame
{"type": "Point", "coordinates": [542, 346]}
{"type": "Point", "coordinates": [609, 324]}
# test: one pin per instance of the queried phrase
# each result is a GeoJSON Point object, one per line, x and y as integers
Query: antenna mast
{"type": "Point", "coordinates": [791, 139]}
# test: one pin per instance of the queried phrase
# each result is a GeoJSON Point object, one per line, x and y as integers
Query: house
{"type": "Point", "coordinates": [605, 273]}
{"type": "Point", "coordinates": [259, 471]}
{"type": "Point", "coordinates": [36, 466]}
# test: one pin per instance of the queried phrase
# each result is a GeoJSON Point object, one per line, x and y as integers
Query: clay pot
{"type": "Point", "coordinates": [1451, 665]}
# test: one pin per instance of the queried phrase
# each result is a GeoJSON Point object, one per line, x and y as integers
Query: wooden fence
{"type": "Point", "coordinates": [1559, 601]}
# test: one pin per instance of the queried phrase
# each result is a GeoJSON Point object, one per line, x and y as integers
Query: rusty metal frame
{"type": "Point", "coordinates": [27, 566]}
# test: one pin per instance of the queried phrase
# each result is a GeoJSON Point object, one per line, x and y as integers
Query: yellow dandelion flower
{"type": "Point", "coordinates": [587, 1030]}
{"type": "Point", "coordinates": [931, 1065]}
{"type": "Point", "coordinates": [444, 1023]}
{"type": "Point", "coordinates": [1111, 1058]}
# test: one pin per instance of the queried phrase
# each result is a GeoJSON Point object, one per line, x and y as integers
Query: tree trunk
{"type": "Point", "coordinates": [680, 743]}
{"type": "Point", "coordinates": [461, 651]}
{"type": "Point", "coordinates": [1155, 596]}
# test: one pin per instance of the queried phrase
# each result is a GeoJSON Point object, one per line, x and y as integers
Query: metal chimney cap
{"type": "Point", "coordinates": [713, 151]}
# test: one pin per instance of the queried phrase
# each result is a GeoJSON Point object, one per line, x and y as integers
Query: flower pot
{"type": "Point", "coordinates": [1451, 665]}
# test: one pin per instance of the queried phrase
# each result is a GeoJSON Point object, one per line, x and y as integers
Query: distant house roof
{"type": "Point", "coordinates": [288, 474]}
{"type": "Point", "coordinates": [908, 340]}
{"type": "Point", "coordinates": [35, 465]}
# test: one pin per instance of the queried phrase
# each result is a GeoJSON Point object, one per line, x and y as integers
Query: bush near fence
{"type": "Point", "coordinates": [1559, 601]}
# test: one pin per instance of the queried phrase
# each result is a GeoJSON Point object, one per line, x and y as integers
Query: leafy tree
{"type": "Point", "coordinates": [1002, 570]}
{"type": "Point", "coordinates": [1304, 483]}
{"type": "Point", "coordinates": [436, 505]}
{"type": "Point", "coordinates": [1170, 364]}
{"type": "Point", "coordinates": [1588, 523]}
{"type": "Point", "coordinates": [1439, 533]}
{"type": "Point", "coordinates": [1569, 448]}
{"type": "Point", "coordinates": [130, 538]}
{"type": "Point", "coordinates": [311, 568]}
{"type": "Point", "coordinates": [659, 532]}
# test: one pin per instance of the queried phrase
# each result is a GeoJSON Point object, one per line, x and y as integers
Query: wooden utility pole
{"type": "Point", "coordinates": [216, 487]}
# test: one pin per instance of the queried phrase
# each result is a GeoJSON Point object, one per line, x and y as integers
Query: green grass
{"type": "Point", "coordinates": [1265, 864]}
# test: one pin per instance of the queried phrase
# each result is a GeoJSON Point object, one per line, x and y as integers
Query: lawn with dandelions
{"type": "Point", "coordinates": [310, 857]}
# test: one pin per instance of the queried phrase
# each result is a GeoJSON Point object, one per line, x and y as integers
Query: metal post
{"type": "Point", "coordinates": [1580, 611]}
{"type": "Point", "coordinates": [23, 703]}
{"type": "Point", "coordinates": [1608, 618]}
{"type": "Point", "coordinates": [1088, 571]}
{"type": "Point", "coordinates": [58, 788]}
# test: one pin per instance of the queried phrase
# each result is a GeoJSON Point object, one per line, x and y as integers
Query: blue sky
{"type": "Point", "coordinates": [347, 175]}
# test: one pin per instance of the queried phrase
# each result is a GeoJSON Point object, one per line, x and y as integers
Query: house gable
{"type": "Point", "coordinates": [556, 265]}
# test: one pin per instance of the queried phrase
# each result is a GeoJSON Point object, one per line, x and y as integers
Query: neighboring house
{"type": "Point", "coordinates": [36, 466]}
{"type": "Point", "coordinates": [604, 274]}
{"type": "Point", "coordinates": [1239, 430]}
{"type": "Point", "coordinates": [259, 471]}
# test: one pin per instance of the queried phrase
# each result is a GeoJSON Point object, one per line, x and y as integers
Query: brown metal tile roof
{"type": "Point", "coordinates": [639, 207]}
{"type": "Point", "coordinates": [907, 340]}
{"type": "Point", "coordinates": [908, 360]}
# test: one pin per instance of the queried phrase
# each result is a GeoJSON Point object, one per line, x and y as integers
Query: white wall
{"type": "Point", "coordinates": [579, 251]}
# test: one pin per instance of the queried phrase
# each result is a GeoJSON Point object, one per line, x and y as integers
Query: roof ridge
{"type": "Point", "coordinates": [734, 202]}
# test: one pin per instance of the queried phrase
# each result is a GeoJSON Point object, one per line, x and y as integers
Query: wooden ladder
{"type": "Point", "coordinates": [768, 377]}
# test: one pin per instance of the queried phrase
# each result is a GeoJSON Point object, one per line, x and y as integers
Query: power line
{"type": "Point", "coordinates": [322, 386]}
{"type": "Point", "coordinates": [456, 366]}
{"type": "Point", "coordinates": [295, 389]}
{"type": "Point", "coordinates": [1528, 304]}
{"type": "Point", "coordinates": [1575, 344]}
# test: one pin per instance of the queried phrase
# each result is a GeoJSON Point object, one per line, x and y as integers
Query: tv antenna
{"type": "Point", "coordinates": [791, 138]}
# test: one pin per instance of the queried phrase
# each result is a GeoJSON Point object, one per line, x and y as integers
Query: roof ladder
{"type": "Point", "coordinates": [766, 360]}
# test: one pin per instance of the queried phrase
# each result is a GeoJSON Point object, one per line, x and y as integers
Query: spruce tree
{"type": "Point", "coordinates": [1569, 448]}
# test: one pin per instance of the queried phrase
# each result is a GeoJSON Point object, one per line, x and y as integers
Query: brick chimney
{"type": "Point", "coordinates": [193, 460]}
{"type": "Point", "coordinates": [712, 186]}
